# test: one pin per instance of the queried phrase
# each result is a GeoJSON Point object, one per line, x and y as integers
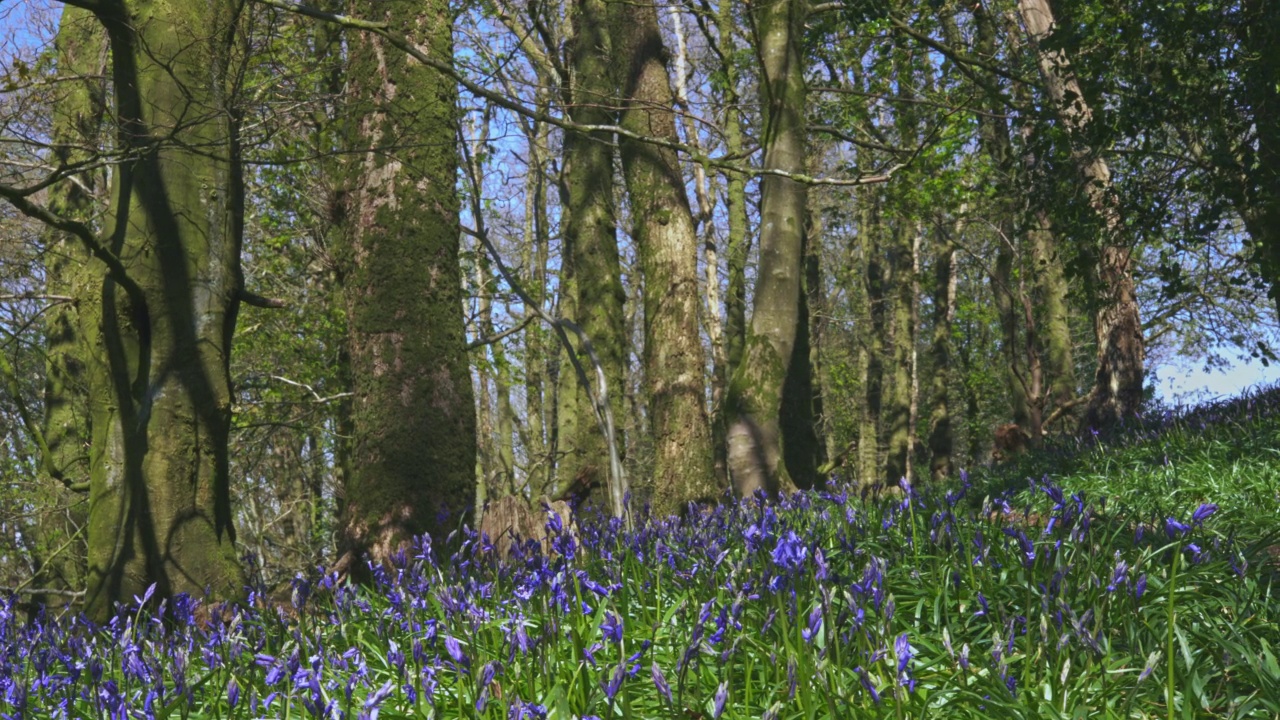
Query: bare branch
{"type": "Point", "coordinates": [405, 45]}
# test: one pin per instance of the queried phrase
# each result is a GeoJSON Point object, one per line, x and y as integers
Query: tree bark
{"type": "Point", "coordinates": [77, 117]}
{"type": "Point", "coordinates": [666, 235]}
{"type": "Point", "coordinates": [159, 342]}
{"type": "Point", "coordinates": [1118, 383]}
{"type": "Point", "coordinates": [941, 434]}
{"type": "Point", "coordinates": [902, 336]}
{"type": "Point", "coordinates": [591, 292]}
{"type": "Point", "coordinates": [414, 417]}
{"type": "Point", "coordinates": [755, 393]}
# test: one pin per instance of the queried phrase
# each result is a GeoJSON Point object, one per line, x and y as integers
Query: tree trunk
{"type": "Point", "coordinates": [872, 345]}
{"type": "Point", "coordinates": [78, 113]}
{"type": "Point", "coordinates": [803, 450]}
{"type": "Point", "coordinates": [902, 338]}
{"type": "Point", "coordinates": [1051, 284]}
{"type": "Point", "coordinates": [737, 241]}
{"type": "Point", "coordinates": [591, 292]}
{"type": "Point", "coordinates": [941, 435]}
{"type": "Point", "coordinates": [159, 343]}
{"type": "Point", "coordinates": [414, 448]}
{"type": "Point", "coordinates": [667, 240]}
{"type": "Point", "coordinates": [755, 393]}
{"type": "Point", "coordinates": [1259, 202]}
{"type": "Point", "coordinates": [1117, 387]}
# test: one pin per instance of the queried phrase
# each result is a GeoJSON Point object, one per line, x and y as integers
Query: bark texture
{"type": "Point", "coordinates": [159, 342]}
{"type": "Point", "coordinates": [60, 547]}
{"type": "Point", "coordinates": [1118, 383]}
{"type": "Point", "coordinates": [666, 235]}
{"type": "Point", "coordinates": [941, 433]}
{"type": "Point", "coordinates": [591, 292]}
{"type": "Point", "coordinates": [413, 453]}
{"type": "Point", "coordinates": [755, 393]}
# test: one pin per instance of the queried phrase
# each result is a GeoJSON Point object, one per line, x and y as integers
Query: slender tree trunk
{"type": "Point", "coordinates": [78, 113]}
{"type": "Point", "coordinates": [755, 393]}
{"type": "Point", "coordinates": [941, 433]}
{"type": "Point", "coordinates": [159, 342]}
{"type": "Point", "coordinates": [1259, 201]}
{"type": "Point", "coordinates": [1051, 285]}
{"type": "Point", "coordinates": [803, 450]}
{"type": "Point", "coordinates": [1118, 384]}
{"type": "Point", "coordinates": [872, 345]}
{"type": "Point", "coordinates": [591, 292]}
{"type": "Point", "coordinates": [414, 450]}
{"type": "Point", "coordinates": [902, 338]}
{"type": "Point", "coordinates": [535, 338]}
{"type": "Point", "coordinates": [667, 239]}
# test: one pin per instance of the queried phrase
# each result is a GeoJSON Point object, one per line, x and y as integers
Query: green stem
{"type": "Point", "coordinates": [1173, 586]}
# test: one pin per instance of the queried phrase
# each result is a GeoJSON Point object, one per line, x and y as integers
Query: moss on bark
{"type": "Point", "coordinates": [160, 506]}
{"type": "Point", "coordinates": [664, 230]}
{"type": "Point", "coordinates": [413, 453]}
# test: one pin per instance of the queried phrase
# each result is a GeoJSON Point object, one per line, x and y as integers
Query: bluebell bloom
{"type": "Point", "coordinates": [790, 553]}
{"type": "Point", "coordinates": [660, 682]}
{"type": "Point", "coordinates": [1174, 529]}
{"type": "Point", "coordinates": [1203, 512]}
{"type": "Point", "coordinates": [722, 695]}
{"type": "Point", "coordinates": [611, 628]}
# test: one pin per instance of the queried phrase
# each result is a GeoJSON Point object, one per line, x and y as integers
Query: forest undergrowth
{"type": "Point", "coordinates": [1132, 576]}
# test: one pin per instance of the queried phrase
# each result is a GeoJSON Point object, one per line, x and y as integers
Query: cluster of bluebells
{"type": "Point", "coordinates": [818, 603]}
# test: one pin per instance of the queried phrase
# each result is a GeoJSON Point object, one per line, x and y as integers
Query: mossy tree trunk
{"type": "Point", "coordinates": [1054, 306]}
{"type": "Point", "coordinates": [69, 272]}
{"type": "Point", "coordinates": [158, 344]}
{"type": "Point", "coordinates": [1118, 382]}
{"type": "Point", "coordinates": [941, 433]}
{"type": "Point", "coordinates": [666, 236]}
{"type": "Point", "coordinates": [902, 336]}
{"type": "Point", "coordinates": [414, 419]}
{"type": "Point", "coordinates": [755, 393]}
{"type": "Point", "coordinates": [737, 242]}
{"type": "Point", "coordinates": [872, 345]}
{"type": "Point", "coordinates": [591, 292]}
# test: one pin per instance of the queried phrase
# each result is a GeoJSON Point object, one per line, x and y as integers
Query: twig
{"type": "Point", "coordinates": [405, 45]}
{"type": "Point", "coordinates": [308, 388]}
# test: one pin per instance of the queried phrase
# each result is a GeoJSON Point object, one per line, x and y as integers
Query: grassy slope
{"type": "Point", "coordinates": [1225, 452]}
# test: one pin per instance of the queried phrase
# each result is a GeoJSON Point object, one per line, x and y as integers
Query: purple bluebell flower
{"type": "Point", "coordinates": [660, 682]}
{"type": "Point", "coordinates": [865, 679]}
{"type": "Point", "coordinates": [1203, 512]}
{"type": "Point", "coordinates": [233, 693]}
{"type": "Point", "coordinates": [611, 628]}
{"type": "Point", "coordinates": [1174, 528]}
{"type": "Point", "coordinates": [790, 553]}
{"type": "Point", "coordinates": [815, 622]}
{"type": "Point", "coordinates": [722, 695]}
{"type": "Point", "coordinates": [521, 710]}
{"type": "Point", "coordinates": [614, 683]}
{"type": "Point", "coordinates": [1140, 586]}
{"type": "Point", "coordinates": [454, 648]}
{"type": "Point", "coordinates": [902, 648]}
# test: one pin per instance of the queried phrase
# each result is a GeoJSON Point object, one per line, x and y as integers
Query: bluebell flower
{"type": "Point", "coordinates": [1203, 512]}
{"type": "Point", "coordinates": [611, 628]}
{"type": "Point", "coordinates": [660, 682]}
{"type": "Point", "coordinates": [454, 648]}
{"type": "Point", "coordinates": [722, 695]}
{"type": "Point", "coordinates": [790, 553]}
{"type": "Point", "coordinates": [521, 710]}
{"type": "Point", "coordinates": [1173, 528]}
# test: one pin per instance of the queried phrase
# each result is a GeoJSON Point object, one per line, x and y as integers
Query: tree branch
{"type": "Point", "coordinates": [405, 45]}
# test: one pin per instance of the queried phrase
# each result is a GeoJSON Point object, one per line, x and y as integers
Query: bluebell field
{"type": "Point", "coordinates": [925, 604]}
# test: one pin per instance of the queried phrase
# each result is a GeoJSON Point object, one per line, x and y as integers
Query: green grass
{"type": "Point", "coordinates": [1001, 599]}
